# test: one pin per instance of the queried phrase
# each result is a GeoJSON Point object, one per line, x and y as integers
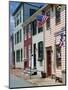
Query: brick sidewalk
{"type": "Point", "coordinates": [45, 81]}
{"type": "Point", "coordinates": [19, 73]}
{"type": "Point", "coordinates": [34, 79]}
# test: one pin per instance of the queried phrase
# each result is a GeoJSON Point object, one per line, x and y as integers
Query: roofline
{"type": "Point", "coordinates": [17, 9]}
{"type": "Point", "coordinates": [33, 17]}
{"type": "Point", "coordinates": [31, 4]}
{"type": "Point", "coordinates": [21, 3]}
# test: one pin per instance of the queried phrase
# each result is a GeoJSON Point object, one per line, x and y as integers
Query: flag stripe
{"type": "Point", "coordinates": [41, 20]}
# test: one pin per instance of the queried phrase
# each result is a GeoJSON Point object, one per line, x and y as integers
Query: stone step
{"type": "Point", "coordinates": [30, 71]}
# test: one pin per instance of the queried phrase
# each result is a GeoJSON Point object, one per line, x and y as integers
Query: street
{"type": "Point", "coordinates": [18, 82]}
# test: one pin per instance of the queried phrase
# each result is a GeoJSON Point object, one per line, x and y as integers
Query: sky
{"type": "Point", "coordinates": [12, 6]}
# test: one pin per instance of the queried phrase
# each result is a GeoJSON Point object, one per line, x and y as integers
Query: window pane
{"type": "Point", "coordinates": [34, 27]}
{"type": "Point", "coordinates": [48, 20]}
{"type": "Point", "coordinates": [20, 16]}
{"type": "Point", "coordinates": [43, 12]}
{"type": "Point", "coordinates": [58, 56]}
{"type": "Point", "coordinates": [57, 14]}
{"type": "Point", "coordinates": [21, 54]}
{"type": "Point", "coordinates": [18, 55]}
{"type": "Point", "coordinates": [40, 29]}
{"type": "Point", "coordinates": [15, 38]}
{"type": "Point", "coordinates": [40, 50]}
{"type": "Point", "coordinates": [17, 21]}
{"type": "Point", "coordinates": [20, 35]}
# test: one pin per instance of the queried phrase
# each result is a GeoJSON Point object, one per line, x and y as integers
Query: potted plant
{"type": "Point", "coordinates": [43, 74]}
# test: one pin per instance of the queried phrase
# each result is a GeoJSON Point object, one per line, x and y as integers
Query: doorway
{"type": "Point", "coordinates": [34, 56]}
{"type": "Point", "coordinates": [48, 52]}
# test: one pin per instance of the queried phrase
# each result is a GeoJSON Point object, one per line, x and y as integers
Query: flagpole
{"type": "Point", "coordinates": [44, 46]}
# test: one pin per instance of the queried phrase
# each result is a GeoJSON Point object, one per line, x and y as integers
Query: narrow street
{"type": "Point", "coordinates": [19, 79]}
{"type": "Point", "coordinates": [18, 82]}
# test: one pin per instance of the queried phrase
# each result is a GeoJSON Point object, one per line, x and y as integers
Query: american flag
{"type": "Point", "coordinates": [61, 41]}
{"type": "Point", "coordinates": [41, 20]}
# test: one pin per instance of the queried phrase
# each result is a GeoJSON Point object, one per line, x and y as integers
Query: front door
{"type": "Point", "coordinates": [34, 55]}
{"type": "Point", "coordinates": [48, 61]}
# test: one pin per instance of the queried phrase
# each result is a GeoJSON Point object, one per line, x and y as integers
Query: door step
{"type": "Point", "coordinates": [31, 71]}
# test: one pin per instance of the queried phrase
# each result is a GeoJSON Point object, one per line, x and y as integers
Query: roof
{"type": "Point", "coordinates": [21, 3]}
{"type": "Point", "coordinates": [33, 17]}
{"type": "Point", "coordinates": [17, 9]}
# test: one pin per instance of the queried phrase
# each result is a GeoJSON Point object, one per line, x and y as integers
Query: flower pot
{"type": "Point", "coordinates": [43, 74]}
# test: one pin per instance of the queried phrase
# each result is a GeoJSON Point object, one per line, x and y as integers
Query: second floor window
{"type": "Point", "coordinates": [43, 12]}
{"type": "Point", "coordinates": [34, 27]}
{"type": "Point", "coordinates": [48, 20]}
{"type": "Point", "coordinates": [29, 31]}
{"type": "Point", "coordinates": [57, 14]}
{"type": "Point", "coordinates": [15, 38]}
{"type": "Point", "coordinates": [18, 37]}
{"type": "Point", "coordinates": [40, 29]}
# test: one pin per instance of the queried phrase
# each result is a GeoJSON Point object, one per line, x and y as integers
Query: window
{"type": "Point", "coordinates": [57, 12]}
{"type": "Point", "coordinates": [18, 55]}
{"type": "Point", "coordinates": [15, 22]}
{"type": "Point", "coordinates": [32, 11]}
{"type": "Point", "coordinates": [25, 35]}
{"type": "Point", "coordinates": [40, 51]}
{"type": "Point", "coordinates": [43, 12]}
{"type": "Point", "coordinates": [58, 56]}
{"type": "Point", "coordinates": [20, 16]}
{"type": "Point", "coordinates": [18, 37]}
{"type": "Point", "coordinates": [48, 20]}
{"type": "Point", "coordinates": [25, 51]}
{"type": "Point", "coordinates": [34, 27]}
{"type": "Point", "coordinates": [15, 38]}
{"type": "Point", "coordinates": [18, 19]}
{"type": "Point", "coordinates": [29, 31]}
{"type": "Point", "coordinates": [21, 55]}
{"type": "Point", "coordinates": [40, 29]}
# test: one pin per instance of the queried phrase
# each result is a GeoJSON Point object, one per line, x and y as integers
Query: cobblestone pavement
{"type": "Point", "coordinates": [35, 80]}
